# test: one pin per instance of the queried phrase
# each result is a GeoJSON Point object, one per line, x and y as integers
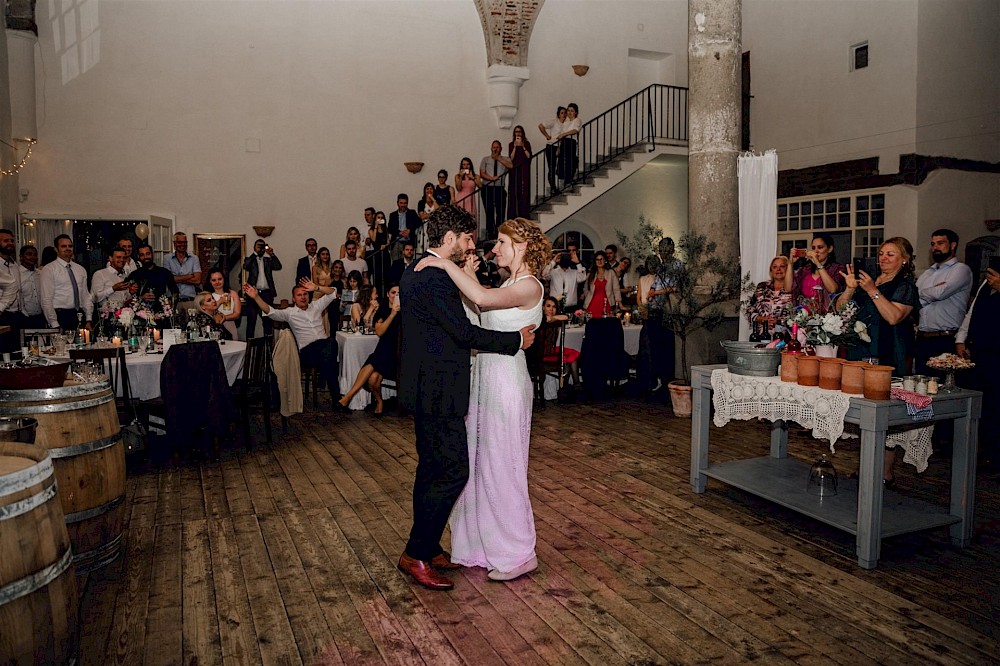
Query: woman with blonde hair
{"type": "Point", "coordinates": [492, 524]}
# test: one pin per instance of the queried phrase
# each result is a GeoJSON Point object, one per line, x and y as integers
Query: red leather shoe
{"type": "Point", "coordinates": [442, 562]}
{"type": "Point", "coordinates": [424, 573]}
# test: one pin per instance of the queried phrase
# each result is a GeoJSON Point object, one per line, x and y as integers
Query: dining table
{"type": "Point", "coordinates": [353, 349]}
{"type": "Point", "coordinates": [144, 368]}
{"type": "Point", "coordinates": [574, 340]}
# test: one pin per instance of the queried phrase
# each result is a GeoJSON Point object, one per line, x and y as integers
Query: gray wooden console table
{"type": "Point", "coordinates": [859, 507]}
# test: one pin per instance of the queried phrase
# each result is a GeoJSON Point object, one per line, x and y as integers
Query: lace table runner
{"type": "Point", "coordinates": [743, 398]}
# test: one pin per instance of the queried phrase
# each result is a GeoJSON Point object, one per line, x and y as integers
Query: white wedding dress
{"type": "Point", "coordinates": [492, 525]}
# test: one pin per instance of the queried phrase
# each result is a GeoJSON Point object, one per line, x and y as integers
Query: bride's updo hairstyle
{"type": "Point", "coordinates": [538, 253]}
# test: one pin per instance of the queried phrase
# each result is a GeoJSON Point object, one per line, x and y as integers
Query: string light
{"type": "Point", "coordinates": [20, 165]}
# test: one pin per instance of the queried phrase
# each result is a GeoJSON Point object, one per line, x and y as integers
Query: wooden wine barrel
{"type": "Point", "coordinates": [38, 592]}
{"type": "Point", "coordinates": [79, 426]}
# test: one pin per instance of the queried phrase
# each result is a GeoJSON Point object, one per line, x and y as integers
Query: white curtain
{"type": "Point", "coordinates": [758, 218]}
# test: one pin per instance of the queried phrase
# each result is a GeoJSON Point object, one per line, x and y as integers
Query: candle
{"type": "Point", "coordinates": [85, 336]}
{"type": "Point", "coordinates": [156, 335]}
{"type": "Point", "coordinates": [116, 341]}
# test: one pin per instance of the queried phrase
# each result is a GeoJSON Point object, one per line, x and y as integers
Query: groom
{"type": "Point", "coordinates": [434, 386]}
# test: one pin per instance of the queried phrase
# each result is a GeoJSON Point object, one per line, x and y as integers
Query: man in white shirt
{"type": "Point", "coordinates": [352, 263]}
{"type": "Point", "coordinates": [31, 300]}
{"type": "Point", "coordinates": [10, 279]}
{"type": "Point", "coordinates": [944, 297]}
{"type": "Point", "coordinates": [317, 348]}
{"type": "Point", "coordinates": [108, 284]}
{"type": "Point", "coordinates": [565, 280]}
{"type": "Point", "coordinates": [552, 130]}
{"type": "Point", "coordinates": [64, 291]}
{"type": "Point", "coordinates": [130, 265]}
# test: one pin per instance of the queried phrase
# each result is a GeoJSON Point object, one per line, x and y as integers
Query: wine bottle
{"type": "Point", "coordinates": [755, 333]}
{"type": "Point", "coordinates": [794, 346]}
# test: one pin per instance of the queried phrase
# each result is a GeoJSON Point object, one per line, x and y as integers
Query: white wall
{"type": "Point", "coordinates": [157, 106]}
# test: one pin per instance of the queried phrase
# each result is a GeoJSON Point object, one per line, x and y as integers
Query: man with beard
{"type": "Point", "coordinates": [150, 281]}
{"type": "Point", "coordinates": [944, 294]}
{"type": "Point", "coordinates": [259, 268]}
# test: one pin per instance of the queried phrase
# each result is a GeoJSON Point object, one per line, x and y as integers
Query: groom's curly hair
{"type": "Point", "coordinates": [538, 253]}
{"type": "Point", "coordinates": [448, 217]}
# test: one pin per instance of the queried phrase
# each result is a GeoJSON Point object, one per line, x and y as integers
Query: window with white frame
{"type": "Point", "coordinates": [856, 220]}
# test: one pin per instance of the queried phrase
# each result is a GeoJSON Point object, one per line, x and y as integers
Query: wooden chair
{"type": "Point", "coordinates": [545, 358]}
{"type": "Point", "coordinates": [29, 332]}
{"type": "Point", "coordinates": [254, 388]}
{"type": "Point", "coordinates": [113, 360]}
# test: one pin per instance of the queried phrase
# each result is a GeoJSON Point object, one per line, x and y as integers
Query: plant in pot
{"type": "Point", "coordinates": [699, 283]}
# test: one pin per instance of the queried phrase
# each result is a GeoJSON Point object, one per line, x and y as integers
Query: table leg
{"type": "Point", "coordinates": [963, 473]}
{"type": "Point", "coordinates": [779, 439]}
{"type": "Point", "coordinates": [869, 542]}
{"type": "Point", "coordinates": [701, 404]}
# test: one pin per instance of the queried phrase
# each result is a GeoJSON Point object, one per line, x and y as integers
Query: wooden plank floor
{"type": "Point", "coordinates": [286, 555]}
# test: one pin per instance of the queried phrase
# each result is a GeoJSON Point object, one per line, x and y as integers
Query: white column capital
{"type": "Point", "coordinates": [504, 83]}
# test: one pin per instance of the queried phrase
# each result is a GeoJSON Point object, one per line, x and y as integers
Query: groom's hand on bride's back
{"type": "Point", "coordinates": [527, 336]}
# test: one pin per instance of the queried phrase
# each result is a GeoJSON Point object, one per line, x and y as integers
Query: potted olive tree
{"type": "Point", "coordinates": [700, 283]}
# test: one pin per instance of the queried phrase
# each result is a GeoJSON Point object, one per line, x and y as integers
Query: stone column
{"type": "Point", "coordinates": [714, 98]}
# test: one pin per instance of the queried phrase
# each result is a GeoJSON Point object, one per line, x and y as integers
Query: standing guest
{"type": "Point", "coordinates": [31, 302]}
{"type": "Point", "coordinates": [322, 276]}
{"type": "Point", "coordinates": [552, 130]}
{"type": "Point", "coordinates": [130, 264]}
{"type": "Point", "coordinates": [353, 235]}
{"type": "Point", "coordinates": [383, 361]}
{"type": "Point", "coordinates": [428, 202]}
{"type": "Point", "coordinates": [601, 290]}
{"type": "Point", "coordinates": [338, 276]}
{"type": "Point", "coordinates": [488, 273]}
{"type": "Point", "coordinates": [624, 273]}
{"type": "Point", "coordinates": [443, 192]}
{"type": "Point", "coordinates": [404, 262]}
{"type": "Point", "coordinates": [519, 183]}
{"type": "Point", "coordinates": [611, 254]}
{"type": "Point", "coordinates": [353, 263]}
{"type": "Point", "coordinates": [208, 315]}
{"type": "Point", "coordinates": [568, 159]}
{"type": "Point", "coordinates": [435, 385]}
{"type": "Point", "coordinates": [259, 267]}
{"type": "Point", "coordinates": [977, 339]}
{"type": "Point", "coordinates": [403, 224]}
{"type": "Point", "coordinates": [10, 300]}
{"type": "Point", "coordinates": [48, 255]}
{"type": "Point", "coordinates": [888, 304]}
{"type": "Point", "coordinates": [185, 267]}
{"type": "Point", "coordinates": [466, 182]}
{"type": "Point", "coordinates": [64, 289]}
{"type": "Point", "coordinates": [377, 251]}
{"type": "Point", "coordinates": [770, 302]}
{"type": "Point", "coordinates": [944, 294]}
{"type": "Point", "coordinates": [820, 276]}
{"type": "Point", "coordinates": [229, 301]}
{"type": "Point", "coordinates": [109, 285]}
{"type": "Point", "coordinates": [317, 348]}
{"type": "Point", "coordinates": [565, 280]}
{"type": "Point", "coordinates": [304, 268]}
{"type": "Point", "coordinates": [662, 341]}
{"type": "Point", "coordinates": [492, 170]}
{"type": "Point", "coordinates": [150, 281]}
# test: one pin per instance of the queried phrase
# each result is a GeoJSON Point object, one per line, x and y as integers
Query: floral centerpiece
{"type": "Point", "coordinates": [136, 312]}
{"type": "Point", "coordinates": [949, 363]}
{"type": "Point", "coordinates": [820, 326]}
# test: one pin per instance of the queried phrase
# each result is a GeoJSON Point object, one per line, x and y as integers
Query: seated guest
{"type": "Point", "coordinates": [354, 263]}
{"type": "Point", "coordinates": [317, 348]}
{"type": "Point", "coordinates": [383, 361]}
{"type": "Point", "coordinates": [405, 261]}
{"type": "Point", "coordinates": [227, 298]}
{"type": "Point", "coordinates": [338, 276]}
{"type": "Point", "coordinates": [350, 294]}
{"type": "Point", "coordinates": [208, 315]}
{"type": "Point", "coordinates": [365, 307]}
{"type": "Point", "coordinates": [550, 308]}
{"type": "Point", "coordinates": [353, 236]}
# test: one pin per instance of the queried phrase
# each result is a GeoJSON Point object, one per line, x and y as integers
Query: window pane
{"type": "Point", "coordinates": [876, 238]}
{"type": "Point", "coordinates": [831, 205]}
{"type": "Point", "coordinates": [862, 219]}
{"type": "Point", "coordinates": [845, 220]}
{"type": "Point", "coordinates": [831, 221]}
{"type": "Point", "coordinates": [845, 204]}
{"type": "Point", "coordinates": [782, 210]}
{"type": "Point", "coordinates": [806, 223]}
{"type": "Point", "coordinates": [806, 207]}
{"type": "Point", "coordinates": [782, 224]}
{"type": "Point", "coordinates": [878, 201]}
{"type": "Point", "coordinates": [862, 238]}
{"type": "Point", "coordinates": [793, 224]}
{"type": "Point", "coordinates": [793, 209]}
{"type": "Point", "coordinates": [862, 202]}
{"type": "Point", "coordinates": [878, 218]}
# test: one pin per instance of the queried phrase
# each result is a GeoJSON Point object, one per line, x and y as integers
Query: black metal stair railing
{"type": "Point", "coordinates": [655, 115]}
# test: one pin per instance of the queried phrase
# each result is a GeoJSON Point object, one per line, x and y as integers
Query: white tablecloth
{"type": "Point", "coordinates": [144, 369]}
{"type": "Point", "coordinates": [574, 340]}
{"type": "Point", "coordinates": [352, 352]}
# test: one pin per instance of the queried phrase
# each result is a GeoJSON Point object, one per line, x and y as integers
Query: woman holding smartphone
{"type": "Point", "coordinates": [820, 277]}
{"type": "Point", "coordinates": [383, 361]}
{"type": "Point", "coordinates": [466, 182]}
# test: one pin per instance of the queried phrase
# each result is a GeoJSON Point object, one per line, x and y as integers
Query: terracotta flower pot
{"type": "Point", "coordinates": [680, 398]}
{"type": "Point", "coordinates": [878, 379]}
{"type": "Point", "coordinates": [829, 373]}
{"type": "Point", "coordinates": [789, 366]}
{"type": "Point", "coordinates": [852, 377]}
{"type": "Point", "coordinates": [808, 371]}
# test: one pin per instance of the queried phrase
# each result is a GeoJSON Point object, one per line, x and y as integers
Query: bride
{"type": "Point", "coordinates": [492, 525]}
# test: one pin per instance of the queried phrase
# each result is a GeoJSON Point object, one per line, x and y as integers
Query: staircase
{"type": "Point", "coordinates": [599, 181]}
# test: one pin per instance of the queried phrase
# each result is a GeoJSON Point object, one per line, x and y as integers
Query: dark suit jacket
{"type": "Point", "coordinates": [437, 337]}
{"type": "Point", "coordinates": [413, 223]}
{"type": "Point", "coordinates": [303, 269]}
{"type": "Point", "coordinates": [396, 270]}
{"type": "Point", "coordinates": [271, 263]}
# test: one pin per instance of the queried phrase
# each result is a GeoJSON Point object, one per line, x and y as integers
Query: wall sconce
{"type": "Point", "coordinates": [581, 70]}
{"type": "Point", "coordinates": [413, 167]}
{"type": "Point", "coordinates": [263, 232]}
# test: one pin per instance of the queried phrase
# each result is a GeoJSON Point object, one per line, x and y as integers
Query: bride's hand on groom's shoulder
{"type": "Point", "coordinates": [429, 262]}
